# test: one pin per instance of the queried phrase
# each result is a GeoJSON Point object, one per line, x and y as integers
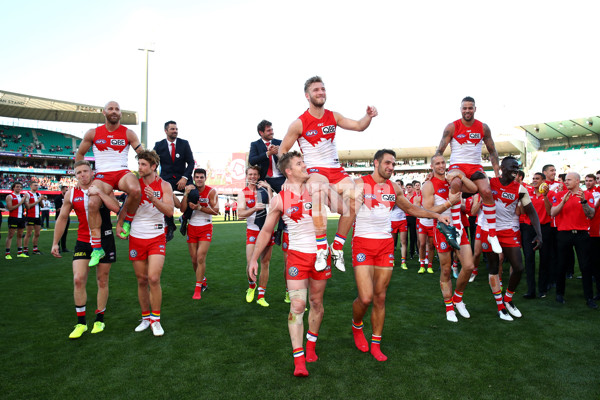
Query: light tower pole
{"type": "Point", "coordinates": [145, 120]}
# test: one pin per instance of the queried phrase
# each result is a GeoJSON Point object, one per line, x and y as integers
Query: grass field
{"type": "Point", "coordinates": [222, 347]}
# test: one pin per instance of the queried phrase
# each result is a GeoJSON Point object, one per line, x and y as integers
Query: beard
{"type": "Point", "coordinates": [318, 102]}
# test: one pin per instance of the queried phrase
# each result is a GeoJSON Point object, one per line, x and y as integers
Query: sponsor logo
{"type": "Point", "coordinates": [485, 246]}
{"type": "Point", "coordinates": [509, 196]}
{"type": "Point", "coordinates": [133, 254]}
{"type": "Point", "coordinates": [327, 130]}
{"type": "Point", "coordinates": [117, 142]}
{"type": "Point", "coordinates": [443, 245]}
{"type": "Point", "coordinates": [292, 271]}
{"type": "Point", "coordinates": [475, 136]}
{"type": "Point", "coordinates": [308, 206]}
{"type": "Point", "coordinates": [157, 194]}
{"type": "Point", "coordinates": [461, 136]}
{"type": "Point", "coordinates": [203, 200]}
{"type": "Point", "coordinates": [79, 254]}
{"type": "Point", "coordinates": [321, 124]}
{"type": "Point", "coordinates": [311, 133]}
{"type": "Point", "coordinates": [108, 232]}
{"type": "Point", "coordinates": [388, 197]}
{"type": "Point", "coordinates": [100, 141]}
{"type": "Point", "coordinates": [391, 256]}
{"type": "Point", "coordinates": [252, 239]}
{"type": "Point", "coordinates": [360, 257]}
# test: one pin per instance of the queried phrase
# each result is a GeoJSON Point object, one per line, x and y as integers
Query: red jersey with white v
{"type": "Point", "coordinates": [79, 200]}
{"type": "Point", "coordinates": [317, 142]}
{"type": "Point", "coordinates": [466, 143]}
{"type": "Point", "coordinates": [110, 149]}
{"type": "Point", "coordinates": [297, 215]}
{"type": "Point", "coordinates": [34, 211]}
{"type": "Point", "coordinates": [15, 199]}
{"type": "Point", "coordinates": [373, 219]}
{"type": "Point", "coordinates": [507, 199]}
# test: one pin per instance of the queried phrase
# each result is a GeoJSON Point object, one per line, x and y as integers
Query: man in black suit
{"type": "Point", "coordinates": [58, 202]}
{"type": "Point", "coordinates": [176, 164]}
{"type": "Point", "coordinates": [263, 153]}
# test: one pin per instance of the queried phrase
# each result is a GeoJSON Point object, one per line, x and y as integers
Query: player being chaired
{"type": "Point", "coordinates": [295, 205]}
{"type": "Point", "coordinates": [147, 242]}
{"type": "Point", "coordinates": [110, 144]}
{"type": "Point", "coordinates": [466, 137]}
{"type": "Point", "coordinates": [315, 132]}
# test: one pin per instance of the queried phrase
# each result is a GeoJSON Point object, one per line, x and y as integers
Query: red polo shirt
{"type": "Point", "coordinates": [571, 217]}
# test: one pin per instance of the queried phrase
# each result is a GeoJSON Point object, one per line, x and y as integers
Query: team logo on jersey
{"type": "Point", "coordinates": [252, 239]}
{"type": "Point", "coordinates": [329, 129]}
{"type": "Point", "coordinates": [495, 192]}
{"type": "Point", "coordinates": [485, 246]}
{"type": "Point", "coordinates": [308, 206]}
{"type": "Point", "coordinates": [461, 136]}
{"type": "Point", "coordinates": [388, 197]}
{"type": "Point", "coordinates": [117, 142]}
{"type": "Point", "coordinates": [78, 198]}
{"type": "Point", "coordinates": [133, 254]}
{"type": "Point", "coordinates": [292, 271]}
{"type": "Point", "coordinates": [442, 190]}
{"type": "Point", "coordinates": [360, 257]}
{"type": "Point", "coordinates": [100, 141]}
{"type": "Point", "coordinates": [508, 196]}
{"type": "Point", "coordinates": [478, 235]}
{"type": "Point", "coordinates": [313, 170]}
{"type": "Point", "coordinates": [311, 133]}
{"type": "Point", "coordinates": [443, 245]}
{"type": "Point", "coordinates": [370, 196]}
{"type": "Point", "coordinates": [285, 245]}
{"type": "Point", "coordinates": [250, 201]}
{"type": "Point", "coordinates": [475, 135]}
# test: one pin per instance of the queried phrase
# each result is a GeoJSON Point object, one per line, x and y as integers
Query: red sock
{"type": "Point", "coordinates": [261, 293]}
{"type": "Point", "coordinates": [376, 348]}
{"type": "Point", "coordinates": [338, 242]}
{"type": "Point", "coordinates": [198, 291]}
{"type": "Point", "coordinates": [499, 302]}
{"type": "Point", "coordinates": [252, 285]}
{"type": "Point", "coordinates": [508, 296]}
{"type": "Point", "coordinates": [359, 337]}
{"type": "Point", "coordinates": [321, 242]}
{"type": "Point", "coordinates": [311, 343]}
{"type": "Point", "coordinates": [299, 362]}
{"type": "Point", "coordinates": [449, 305]}
{"type": "Point", "coordinates": [457, 298]}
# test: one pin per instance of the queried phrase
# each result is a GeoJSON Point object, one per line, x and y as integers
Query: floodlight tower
{"type": "Point", "coordinates": [145, 120]}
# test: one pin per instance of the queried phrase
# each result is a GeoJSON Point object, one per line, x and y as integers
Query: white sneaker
{"type": "Point", "coordinates": [157, 330]}
{"type": "Point", "coordinates": [504, 315]}
{"type": "Point", "coordinates": [462, 309]}
{"type": "Point", "coordinates": [451, 316]}
{"type": "Point", "coordinates": [454, 272]}
{"type": "Point", "coordinates": [512, 309]}
{"type": "Point", "coordinates": [143, 326]}
{"type": "Point", "coordinates": [472, 278]}
{"type": "Point", "coordinates": [337, 259]}
{"type": "Point", "coordinates": [321, 262]}
{"type": "Point", "coordinates": [493, 240]}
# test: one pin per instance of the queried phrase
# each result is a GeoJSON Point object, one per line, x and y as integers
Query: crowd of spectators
{"type": "Point", "coordinates": [46, 182]}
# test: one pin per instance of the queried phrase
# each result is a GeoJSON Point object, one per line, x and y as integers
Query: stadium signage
{"type": "Point", "coordinates": [34, 170]}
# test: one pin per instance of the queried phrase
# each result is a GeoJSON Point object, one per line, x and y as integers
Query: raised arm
{"type": "Point", "coordinates": [293, 133]}
{"type": "Point", "coordinates": [446, 138]}
{"type": "Point", "coordinates": [491, 148]}
{"type": "Point", "coordinates": [353, 125]}
{"type": "Point", "coordinates": [85, 144]}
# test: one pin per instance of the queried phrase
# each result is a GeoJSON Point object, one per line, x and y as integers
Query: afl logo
{"type": "Point", "coordinates": [313, 170]}
{"type": "Point", "coordinates": [443, 245]}
{"type": "Point", "coordinates": [311, 133]}
{"type": "Point", "coordinates": [391, 256]}
{"type": "Point", "coordinates": [292, 210]}
{"type": "Point", "coordinates": [292, 271]}
{"type": "Point", "coordinates": [252, 239]}
{"type": "Point", "coordinates": [461, 136]}
{"type": "Point", "coordinates": [79, 198]}
{"type": "Point", "coordinates": [360, 257]}
{"type": "Point", "coordinates": [485, 246]}
{"type": "Point", "coordinates": [133, 254]}
{"type": "Point", "coordinates": [328, 129]}
{"type": "Point", "coordinates": [442, 190]}
{"type": "Point", "coordinates": [100, 141]}
{"type": "Point", "coordinates": [99, 176]}
{"type": "Point", "coordinates": [495, 192]}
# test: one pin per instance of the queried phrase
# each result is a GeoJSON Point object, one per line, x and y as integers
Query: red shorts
{"type": "Point", "coordinates": [399, 226]}
{"type": "Point", "coordinates": [252, 235]}
{"type": "Point", "coordinates": [333, 175]}
{"type": "Point", "coordinates": [285, 241]}
{"type": "Point", "coordinates": [302, 266]}
{"type": "Point", "coordinates": [140, 249]}
{"type": "Point", "coordinates": [202, 233]}
{"type": "Point", "coordinates": [424, 230]}
{"type": "Point", "coordinates": [112, 177]}
{"type": "Point", "coordinates": [506, 237]}
{"type": "Point", "coordinates": [468, 169]}
{"type": "Point", "coordinates": [375, 252]}
{"type": "Point", "coordinates": [441, 244]}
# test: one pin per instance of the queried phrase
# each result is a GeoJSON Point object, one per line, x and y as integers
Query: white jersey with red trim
{"type": "Point", "coordinates": [297, 215]}
{"type": "Point", "coordinates": [466, 143]}
{"type": "Point", "coordinates": [111, 149]}
{"type": "Point", "coordinates": [373, 218]}
{"type": "Point", "coordinates": [317, 142]}
{"type": "Point", "coordinates": [18, 212]}
{"type": "Point", "coordinates": [200, 218]}
{"type": "Point", "coordinates": [149, 222]}
{"type": "Point", "coordinates": [506, 199]}
{"type": "Point", "coordinates": [398, 214]}
{"type": "Point", "coordinates": [441, 190]}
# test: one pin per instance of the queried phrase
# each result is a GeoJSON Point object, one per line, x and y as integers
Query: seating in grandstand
{"type": "Point", "coordinates": [53, 143]}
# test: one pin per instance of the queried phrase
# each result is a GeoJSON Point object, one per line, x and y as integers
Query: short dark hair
{"type": "Point", "coordinates": [379, 154]}
{"type": "Point", "coordinates": [540, 174]}
{"type": "Point", "coordinates": [150, 156]}
{"type": "Point", "coordinates": [591, 176]}
{"type": "Point", "coordinates": [262, 125]}
{"type": "Point", "coordinates": [597, 172]}
{"type": "Point", "coordinates": [254, 167]}
{"type": "Point", "coordinates": [409, 184]}
{"type": "Point", "coordinates": [521, 174]}
{"type": "Point", "coordinates": [169, 123]}
{"type": "Point", "coordinates": [545, 167]}
{"type": "Point", "coordinates": [413, 182]}
{"type": "Point", "coordinates": [286, 159]}
{"type": "Point", "coordinates": [468, 98]}
{"type": "Point", "coordinates": [200, 171]}
{"type": "Point", "coordinates": [12, 187]}
{"type": "Point", "coordinates": [310, 81]}
{"type": "Point", "coordinates": [401, 182]}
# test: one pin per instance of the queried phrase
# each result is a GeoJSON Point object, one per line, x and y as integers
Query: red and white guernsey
{"type": "Point", "coordinates": [441, 190]}
{"type": "Point", "coordinates": [250, 196]}
{"type": "Point", "coordinates": [111, 149]}
{"type": "Point", "coordinates": [15, 199]}
{"type": "Point", "coordinates": [297, 215]}
{"type": "Point", "coordinates": [80, 200]}
{"type": "Point", "coordinates": [373, 219]}
{"type": "Point", "coordinates": [317, 142]}
{"type": "Point", "coordinates": [466, 143]}
{"type": "Point", "coordinates": [200, 218]}
{"type": "Point", "coordinates": [149, 222]}
{"type": "Point", "coordinates": [506, 199]}
{"type": "Point", "coordinates": [34, 212]}
{"type": "Point", "coordinates": [398, 214]}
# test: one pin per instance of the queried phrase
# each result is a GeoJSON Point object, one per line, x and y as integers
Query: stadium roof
{"type": "Point", "coordinates": [572, 128]}
{"type": "Point", "coordinates": [15, 105]}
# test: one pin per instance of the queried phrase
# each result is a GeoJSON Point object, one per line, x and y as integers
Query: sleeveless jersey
{"type": "Point", "coordinates": [34, 212]}
{"type": "Point", "coordinates": [506, 199]}
{"type": "Point", "coordinates": [441, 190]}
{"type": "Point", "coordinates": [80, 201]}
{"type": "Point", "coordinates": [317, 142]}
{"type": "Point", "coordinates": [398, 214]}
{"type": "Point", "coordinates": [111, 149]}
{"type": "Point", "coordinates": [18, 212]}
{"type": "Point", "coordinates": [466, 143]}
{"type": "Point", "coordinates": [200, 218]}
{"type": "Point", "coordinates": [423, 221]}
{"type": "Point", "coordinates": [149, 222]}
{"type": "Point", "coordinates": [250, 197]}
{"type": "Point", "coordinates": [373, 218]}
{"type": "Point", "coordinates": [297, 215]}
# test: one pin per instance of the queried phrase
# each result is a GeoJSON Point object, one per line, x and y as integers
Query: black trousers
{"type": "Point", "coordinates": [472, 231]}
{"type": "Point", "coordinates": [411, 223]}
{"type": "Point", "coordinates": [46, 217]}
{"type": "Point", "coordinates": [582, 243]}
{"type": "Point", "coordinates": [173, 182]}
{"type": "Point", "coordinates": [63, 239]}
{"type": "Point", "coordinates": [528, 234]}
{"type": "Point", "coordinates": [595, 261]}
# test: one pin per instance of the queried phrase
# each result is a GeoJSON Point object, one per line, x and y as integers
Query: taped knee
{"type": "Point", "coordinates": [295, 318]}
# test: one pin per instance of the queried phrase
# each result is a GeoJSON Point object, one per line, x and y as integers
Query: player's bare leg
{"type": "Point", "coordinates": [446, 286]}
{"type": "Point", "coordinates": [381, 281]}
{"type": "Point", "coordinates": [404, 243]}
{"type": "Point", "coordinates": [102, 276]}
{"type": "Point", "coordinates": [422, 252]}
{"type": "Point", "coordinates": [298, 291]}
{"type": "Point", "coordinates": [80, 275]}
{"type": "Point", "coordinates": [315, 316]}
{"type": "Point", "coordinates": [202, 251]}
{"type": "Point", "coordinates": [513, 254]}
{"type": "Point", "coordinates": [130, 185]}
{"type": "Point", "coordinates": [363, 275]}
{"type": "Point", "coordinates": [318, 187]}
{"type": "Point", "coordinates": [346, 190]}
{"type": "Point", "coordinates": [28, 234]}
{"type": "Point", "coordinates": [495, 285]}
{"type": "Point", "coordinates": [430, 252]}
{"type": "Point", "coordinates": [263, 278]}
{"type": "Point", "coordinates": [95, 221]}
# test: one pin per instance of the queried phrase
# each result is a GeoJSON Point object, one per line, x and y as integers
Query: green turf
{"type": "Point", "coordinates": [222, 347]}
